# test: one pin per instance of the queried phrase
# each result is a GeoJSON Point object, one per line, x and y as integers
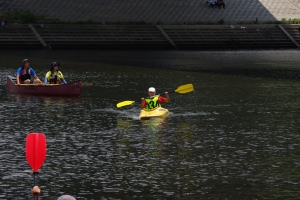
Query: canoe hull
{"type": "Point", "coordinates": [70, 89]}
{"type": "Point", "coordinates": [156, 113]}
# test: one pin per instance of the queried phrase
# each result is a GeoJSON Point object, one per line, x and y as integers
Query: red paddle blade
{"type": "Point", "coordinates": [35, 150]}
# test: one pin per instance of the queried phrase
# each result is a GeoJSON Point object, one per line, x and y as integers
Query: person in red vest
{"type": "Point", "coordinates": [25, 74]}
{"type": "Point", "coordinates": [153, 101]}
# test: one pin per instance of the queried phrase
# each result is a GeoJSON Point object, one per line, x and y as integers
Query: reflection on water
{"type": "Point", "coordinates": [28, 102]}
{"type": "Point", "coordinates": [48, 104]}
{"type": "Point", "coordinates": [155, 123]}
{"type": "Point", "coordinates": [236, 136]}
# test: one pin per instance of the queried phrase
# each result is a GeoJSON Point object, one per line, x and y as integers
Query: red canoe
{"type": "Point", "coordinates": [69, 89]}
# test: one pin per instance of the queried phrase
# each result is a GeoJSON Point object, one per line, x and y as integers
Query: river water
{"type": "Point", "coordinates": [235, 137]}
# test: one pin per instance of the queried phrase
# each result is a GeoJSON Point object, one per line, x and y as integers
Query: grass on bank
{"type": "Point", "coordinates": [290, 21]}
{"type": "Point", "coordinates": [28, 17]}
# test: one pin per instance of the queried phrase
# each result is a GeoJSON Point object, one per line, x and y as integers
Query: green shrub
{"type": "Point", "coordinates": [23, 17]}
{"type": "Point", "coordinates": [296, 21]}
{"type": "Point", "coordinates": [283, 20]}
{"type": "Point", "coordinates": [90, 21]}
{"type": "Point", "coordinates": [290, 21]}
{"type": "Point", "coordinates": [221, 21]}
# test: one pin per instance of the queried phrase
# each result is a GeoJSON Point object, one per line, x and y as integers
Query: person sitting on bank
{"type": "Point", "coordinates": [221, 3]}
{"type": "Point", "coordinates": [153, 101]}
{"type": "Point", "coordinates": [2, 21]}
{"type": "Point", "coordinates": [54, 76]}
{"type": "Point", "coordinates": [212, 3]}
{"type": "Point", "coordinates": [25, 74]}
{"type": "Point", "coordinates": [37, 191]}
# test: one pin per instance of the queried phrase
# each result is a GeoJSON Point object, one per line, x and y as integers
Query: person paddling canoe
{"type": "Point", "coordinates": [54, 76]}
{"type": "Point", "coordinates": [25, 73]}
{"type": "Point", "coordinates": [153, 101]}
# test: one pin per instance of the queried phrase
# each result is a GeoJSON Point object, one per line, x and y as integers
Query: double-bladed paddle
{"type": "Point", "coordinates": [181, 90]}
{"type": "Point", "coordinates": [35, 153]}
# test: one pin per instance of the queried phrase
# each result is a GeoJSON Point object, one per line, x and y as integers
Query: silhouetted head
{"type": "Point", "coordinates": [66, 197]}
{"type": "Point", "coordinates": [52, 65]}
{"type": "Point", "coordinates": [25, 63]}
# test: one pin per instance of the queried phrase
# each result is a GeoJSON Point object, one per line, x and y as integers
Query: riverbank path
{"type": "Point", "coordinates": [158, 11]}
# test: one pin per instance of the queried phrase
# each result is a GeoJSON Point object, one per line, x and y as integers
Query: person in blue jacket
{"type": "Point", "coordinates": [25, 74]}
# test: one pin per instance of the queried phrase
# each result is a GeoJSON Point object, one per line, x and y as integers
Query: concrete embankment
{"type": "Point", "coordinates": [197, 37]}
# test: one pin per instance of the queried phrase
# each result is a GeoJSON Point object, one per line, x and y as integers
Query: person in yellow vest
{"type": "Point", "coordinates": [153, 101]}
{"type": "Point", "coordinates": [54, 76]}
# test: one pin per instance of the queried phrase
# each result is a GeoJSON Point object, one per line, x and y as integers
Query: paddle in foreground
{"type": "Point", "coordinates": [35, 153]}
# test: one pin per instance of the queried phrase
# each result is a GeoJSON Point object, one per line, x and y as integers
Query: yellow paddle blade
{"type": "Point", "coordinates": [185, 89]}
{"type": "Point", "coordinates": [124, 103]}
{"type": "Point", "coordinates": [87, 84]}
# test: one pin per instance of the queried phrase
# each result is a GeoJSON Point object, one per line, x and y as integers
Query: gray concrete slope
{"type": "Point", "coordinates": [164, 11]}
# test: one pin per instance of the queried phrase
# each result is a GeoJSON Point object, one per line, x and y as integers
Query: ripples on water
{"type": "Point", "coordinates": [235, 137]}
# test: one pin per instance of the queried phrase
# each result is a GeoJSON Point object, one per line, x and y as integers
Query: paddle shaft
{"type": "Point", "coordinates": [189, 86]}
{"type": "Point", "coordinates": [181, 90]}
{"type": "Point", "coordinates": [158, 95]}
{"type": "Point", "coordinates": [48, 85]}
{"type": "Point", "coordinates": [37, 85]}
{"type": "Point", "coordinates": [35, 175]}
{"type": "Point", "coordinates": [168, 93]}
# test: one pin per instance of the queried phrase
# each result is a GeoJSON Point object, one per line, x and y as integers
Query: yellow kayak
{"type": "Point", "coordinates": [158, 112]}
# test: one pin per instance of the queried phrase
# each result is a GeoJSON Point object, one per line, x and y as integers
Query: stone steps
{"type": "Point", "coordinates": [148, 37]}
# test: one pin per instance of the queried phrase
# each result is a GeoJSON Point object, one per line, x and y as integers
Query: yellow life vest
{"type": "Point", "coordinates": [55, 77]}
{"type": "Point", "coordinates": [152, 103]}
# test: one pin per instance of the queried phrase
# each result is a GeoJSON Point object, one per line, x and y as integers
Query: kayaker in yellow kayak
{"type": "Point", "coordinates": [153, 101]}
